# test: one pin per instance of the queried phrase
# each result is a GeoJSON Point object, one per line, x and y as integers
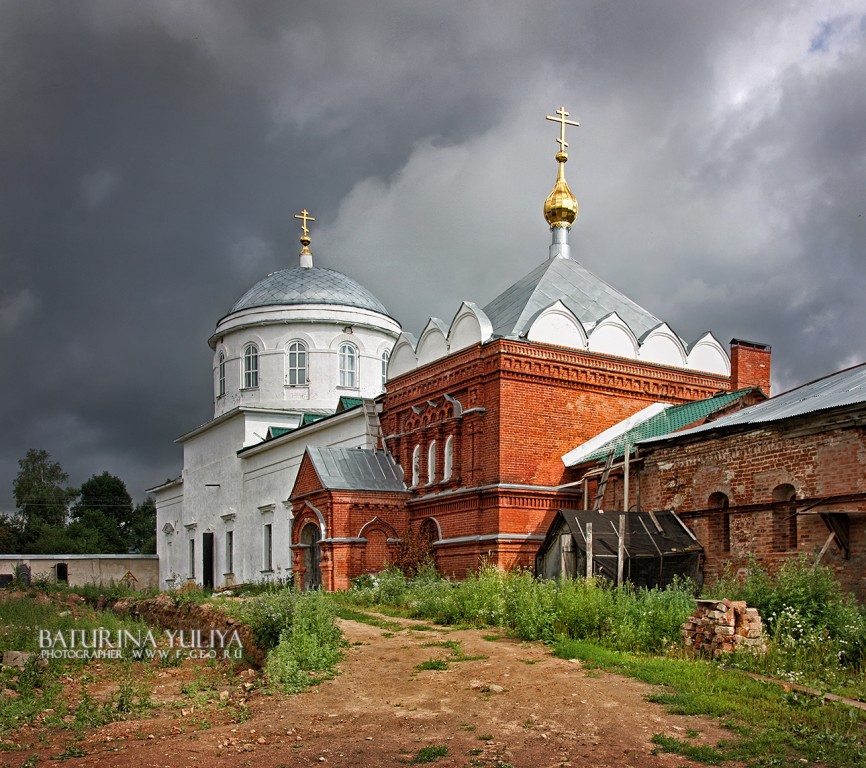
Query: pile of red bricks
{"type": "Point", "coordinates": [722, 626]}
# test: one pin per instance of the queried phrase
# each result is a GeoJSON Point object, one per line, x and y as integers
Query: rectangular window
{"type": "Point", "coordinates": [267, 561]}
{"type": "Point", "coordinates": [192, 558]}
{"type": "Point", "coordinates": [230, 551]}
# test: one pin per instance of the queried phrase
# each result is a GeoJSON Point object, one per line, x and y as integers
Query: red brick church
{"type": "Point", "coordinates": [478, 414]}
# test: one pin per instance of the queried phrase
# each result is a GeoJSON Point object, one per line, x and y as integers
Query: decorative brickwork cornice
{"type": "Point", "coordinates": [515, 360]}
{"type": "Point", "coordinates": [589, 370]}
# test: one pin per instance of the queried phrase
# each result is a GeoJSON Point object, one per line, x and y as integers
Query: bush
{"type": "Point", "coordinates": [309, 648]}
{"type": "Point", "coordinates": [802, 604]}
{"type": "Point", "coordinates": [624, 618]}
{"type": "Point", "coordinates": [267, 615]}
{"type": "Point", "coordinates": [530, 606]}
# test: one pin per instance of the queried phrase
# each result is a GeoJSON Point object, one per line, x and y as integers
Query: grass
{"type": "Point", "coordinates": [696, 752]}
{"type": "Point", "coordinates": [434, 664]}
{"type": "Point", "coordinates": [38, 688]}
{"type": "Point", "coordinates": [769, 727]}
{"type": "Point", "coordinates": [429, 754]}
{"type": "Point", "coordinates": [456, 655]}
{"type": "Point", "coordinates": [309, 647]}
{"type": "Point", "coordinates": [22, 618]}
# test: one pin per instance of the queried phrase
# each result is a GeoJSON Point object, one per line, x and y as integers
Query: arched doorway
{"type": "Point", "coordinates": [311, 535]}
{"type": "Point", "coordinates": [429, 533]}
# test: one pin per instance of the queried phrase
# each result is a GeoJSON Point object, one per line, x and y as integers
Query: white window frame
{"type": "Point", "coordinates": [386, 357]}
{"type": "Point", "coordinates": [221, 375]}
{"type": "Point", "coordinates": [348, 364]}
{"type": "Point", "coordinates": [191, 553]}
{"type": "Point", "coordinates": [296, 364]}
{"type": "Point", "coordinates": [448, 468]}
{"type": "Point", "coordinates": [251, 366]}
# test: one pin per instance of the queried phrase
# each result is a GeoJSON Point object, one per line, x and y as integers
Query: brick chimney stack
{"type": "Point", "coordinates": [750, 365]}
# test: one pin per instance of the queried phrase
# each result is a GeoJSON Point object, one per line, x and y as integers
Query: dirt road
{"type": "Point", "coordinates": [514, 705]}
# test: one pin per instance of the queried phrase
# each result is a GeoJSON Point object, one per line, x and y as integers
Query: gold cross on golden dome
{"type": "Point", "coordinates": [304, 216]}
{"type": "Point", "coordinates": [562, 114]}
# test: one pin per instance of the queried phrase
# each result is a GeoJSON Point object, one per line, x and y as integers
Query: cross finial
{"type": "Point", "coordinates": [306, 255]}
{"type": "Point", "coordinates": [304, 216]}
{"type": "Point", "coordinates": [562, 114]}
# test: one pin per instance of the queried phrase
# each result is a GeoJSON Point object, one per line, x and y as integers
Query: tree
{"type": "Point", "coordinates": [10, 535]}
{"type": "Point", "coordinates": [142, 539]}
{"type": "Point", "coordinates": [103, 514]}
{"type": "Point", "coordinates": [41, 496]}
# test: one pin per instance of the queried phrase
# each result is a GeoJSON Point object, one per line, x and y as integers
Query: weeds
{"type": "Point", "coordinates": [816, 633]}
{"type": "Point", "coordinates": [436, 664]}
{"type": "Point", "coordinates": [429, 754]}
{"type": "Point", "coordinates": [696, 752]}
{"type": "Point", "coordinates": [309, 648]}
{"type": "Point", "coordinates": [625, 618]}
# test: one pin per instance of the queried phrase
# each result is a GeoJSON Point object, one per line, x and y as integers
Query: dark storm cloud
{"type": "Point", "coordinates": [153, 154]}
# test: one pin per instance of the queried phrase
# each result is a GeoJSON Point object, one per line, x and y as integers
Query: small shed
{"type": "Point", "coordinates": [656, 547]}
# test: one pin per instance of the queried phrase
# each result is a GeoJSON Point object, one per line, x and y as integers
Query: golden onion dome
{"type": "Point", "coordinates": [560, 208]}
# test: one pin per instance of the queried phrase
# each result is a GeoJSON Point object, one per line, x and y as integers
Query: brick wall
{"type": "Point", "coordinates": [361, 527]}
{"type": "Point", "coordinates": [750, 365]}
{"type": "Point", "coordinates": [825, 464]}
{"type": "Point", "coordinates": [521, 407]}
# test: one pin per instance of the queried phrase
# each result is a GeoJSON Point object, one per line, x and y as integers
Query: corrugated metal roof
{"type": "Point", "coordinates": [838, 390]}
{"type": "Point", "coordinates": [356, 469]}
{"type": "Point", "coordinates": [671, 419]}
{"type": "Point", "coordinates": [308, 286]}
{"type": "Point", "coordinates": [562, 279]}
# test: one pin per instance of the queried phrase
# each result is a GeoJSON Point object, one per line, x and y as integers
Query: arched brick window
{"type": "Point", "coordinates": [431, 463]}
{"type": "Point", "coordinates": [784, 517]}
{"type": "Point", "coordinates": [448, 467]}
{"type": "Point", "coordinates": [416, 465]}
{"type": "Point", "coordinates": [721, 502]}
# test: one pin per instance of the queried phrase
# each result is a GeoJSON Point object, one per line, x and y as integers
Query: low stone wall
{"type": "Point", "coordinates": [721, 626]}
{"type": "Point", "coordinates": [164, 612]}
{"type": "Point", "coordinates": [136, 571]}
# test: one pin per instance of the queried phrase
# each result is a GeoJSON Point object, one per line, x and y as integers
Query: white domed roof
{"type": "Point", "coordinates": [308, 286]}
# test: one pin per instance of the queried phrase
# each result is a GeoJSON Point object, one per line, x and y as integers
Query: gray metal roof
{"type": "Point", "coordinates": [308, 286]}
{"type": "Point", "coordinates": [838, 390]}
{"type": "Point", "coordinates": [356, 469]}
{"type": "Point", "coordinates": [563, 279]}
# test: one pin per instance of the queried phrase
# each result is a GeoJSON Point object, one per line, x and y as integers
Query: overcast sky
{"type": "Point", "coordinates": [152, 155]}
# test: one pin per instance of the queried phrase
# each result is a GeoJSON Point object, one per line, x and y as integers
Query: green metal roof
{"type": "Point", "coordinates": [279, 431]}
{"type": "Point", "coordinates": [309, 418]}
{"type": "Point", "coordinates": [348, 402]}
{"type": "Point", "coordinates": [669, 420]}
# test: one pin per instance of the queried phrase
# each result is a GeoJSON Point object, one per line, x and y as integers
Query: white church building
{"type": "Point", "coordinates": [296, 363]}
